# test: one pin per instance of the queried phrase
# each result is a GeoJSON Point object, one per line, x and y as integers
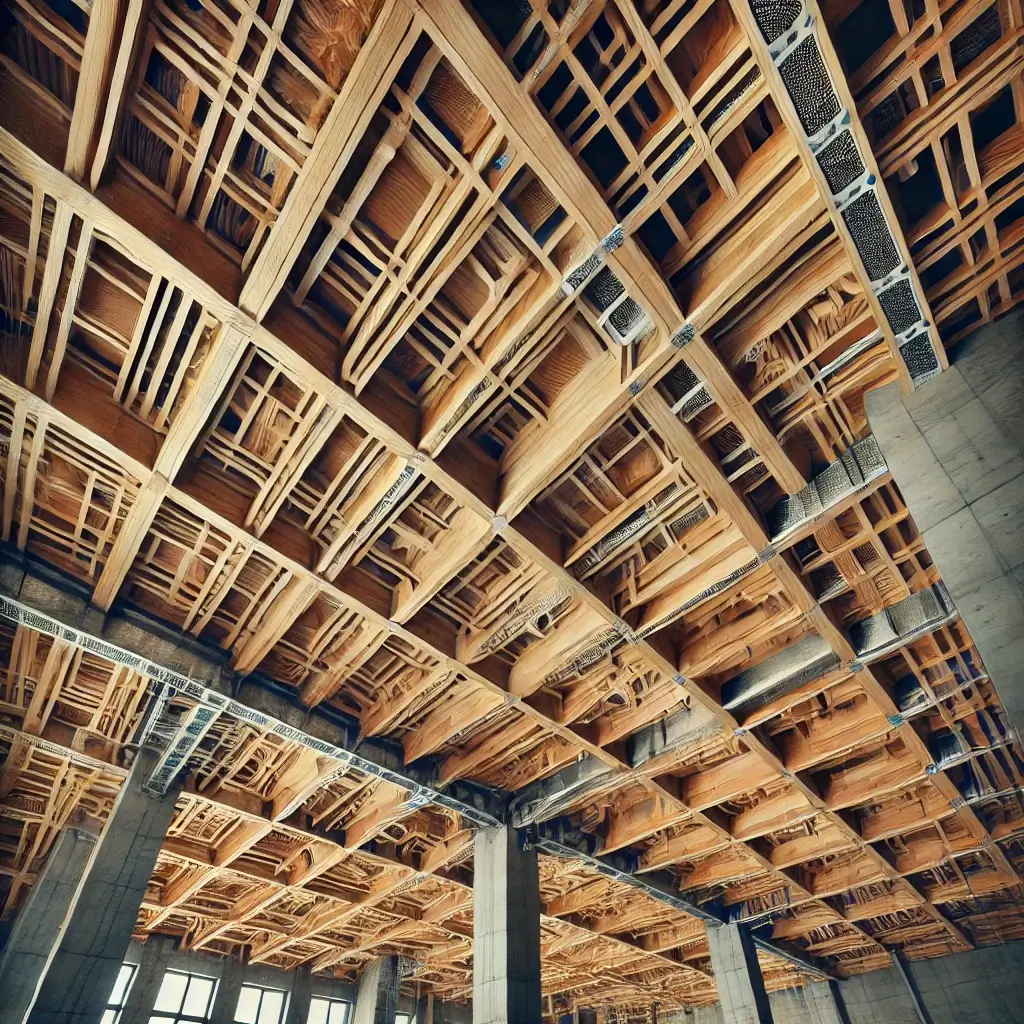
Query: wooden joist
{"type": "Point", "coordinates": [448, 368]}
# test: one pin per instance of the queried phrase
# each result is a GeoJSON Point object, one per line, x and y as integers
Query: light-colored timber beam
{"type": "Point", "coordinates": [511, 534]}
{"type": "Point", "coordinates": [382, 768]}
{"type": "Point", "coordinates": [101, 52]}
{"type": "Point", "coordinates": [388, 44]}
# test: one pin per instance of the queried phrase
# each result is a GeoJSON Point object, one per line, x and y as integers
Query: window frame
{"type": "Point", "coordinates": [178, 1017]}
{"type": "Point", "coordinates": [113, 1009]}
{"type": "Point", "coordinates": [331, 1002]}
{"type": "Point", "coordinates": [263, 990]}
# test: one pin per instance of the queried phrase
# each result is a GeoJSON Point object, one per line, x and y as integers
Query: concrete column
{"type": "Point", "coordinates": [902, 967]}
{"type": "Point", "coordinates": [154, 959]}
{"type": "Point", "coordinates": [741, 990]}
{"type": "Point", "coordinates": [424, 1009]}
{"type": "Point", "coordinates": [84, 966]}
{"type": "Point", "coordinates": [956, 448]}
{"type": "Point", "coordinates": [298, 1000]}
{"type": "Point", "coordinates": [506, 930]}
{"type": "Point", "coordinates": [825, 1003]}
{"type": "Point", "coordinates": [38, 927]}
{"type": "Point", "coordinates": [225, 1001]}
{"type": "Point", "coordinates": [377, 998]}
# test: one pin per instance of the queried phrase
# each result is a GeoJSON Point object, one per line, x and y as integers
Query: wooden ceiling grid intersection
{"type": "Point", "coordinates": [464, 414]}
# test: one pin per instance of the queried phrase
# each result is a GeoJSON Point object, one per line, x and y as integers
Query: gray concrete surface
{"type": "Point", "coordinates": [161, 953]}
{"type": "Point", "coordinates": [812, 1004]}
{"type": "Point", "coordinates": [91, 949]}
{"type": "Point", "coordinates": [302, 991]}
{"type": "Point", "coordinates": [152, 962]}
{"type": "Point", "coordinates": [33, 939]}
{"type": "Point", "coordinates": [956, 449]}
{"type": "Point", "coordinates": [506, 930]}
{"type": "Point", "coordinates": [377, 1001]}
{"type": "Point", "coordinates": [226, 999]}
{"type": "Point", "coordinates": [741, 990]}
{"type": "Point", "coordinates": [984, 986]}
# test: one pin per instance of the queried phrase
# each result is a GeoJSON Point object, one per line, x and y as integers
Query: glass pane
{"type": "Point", "coordinates": [124, 977]}
{"type": "Point", "coordinates": [172, 991]}
{"type": "Point", "coordinates": [318, 1010]}
{"type": "Point", "coordinates": [339, 1013]}
{"type": "Point", "coordinates": [273, 1004]}
{"type": "Point", "coordinates": [197, 1001]}
{"type": "Point", "coordinates": [109, 1016]}
{"type": "Point", "coordinates": [248, 1005]}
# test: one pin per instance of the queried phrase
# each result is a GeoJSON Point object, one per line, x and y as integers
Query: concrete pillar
{"type": "Point", "coordinates": [37, 928]}
{"type": "Point", "coordinates": [955, 447]}
{"type": "Point", "coordinates": [298, 1001]}
{"type": "Point", "coordinates": [154, 959]}
{"type": "Point", "coordinates": [506, 930]}
{"type": "Point", "coordinates": [377, 998]}
{"type": "Point", "coordinates": [825, 1003]}
{"type": "Point", "coordinates": [741, 990]}
{"type": "Point", "coordinates": [902, 967]}
{"type": "Point", "coordinates": [707, 1014]}
{"type": "Point", "coordinates": [225, 1001]}
{"type": "Point", "coordinates": [91, 949]}
{"type": "Point", "coordinates": [424, 1009]}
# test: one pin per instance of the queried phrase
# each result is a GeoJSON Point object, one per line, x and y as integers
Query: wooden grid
{"type": "Point", "coordinates": [941, 95]}
{"type": "Point", "coordinates": [440, 362]}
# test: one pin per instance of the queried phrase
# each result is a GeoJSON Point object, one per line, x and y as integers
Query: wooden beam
{"type": "Point", "coordinates": [380, 57]}
{"type": "Point", "coordinates": [106, 29]}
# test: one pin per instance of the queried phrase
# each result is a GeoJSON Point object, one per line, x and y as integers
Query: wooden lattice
{"type": "Point", "coordinates": [441, 365]}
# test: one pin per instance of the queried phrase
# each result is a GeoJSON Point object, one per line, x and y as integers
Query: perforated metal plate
{"type": "Point", "coordinates": [871, 235]}
{"type": "Point", "coordinates": [809, 87]}
{"type": "Point", "coordinates": [840, 162]}
{"type": "Point", "coordinates": [975, 39]}
{"type": "Point", "coordinates": [774, 17]}
{"type": "Point", "coordinates": [920, 358]}
{"type": "Point", "coordinates": [625, 316]}
{"type": "Point", "coordinates": [900, 307]}
{"type": "Point", "coordinates": [604, 289]}
{"type": "Point", "coordinates": [579, 277]}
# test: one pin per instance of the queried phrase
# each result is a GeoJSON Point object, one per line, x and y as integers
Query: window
{"type": "Point", "coordinates": [259, 1005]}
{"type": "Point", "coordinates": [403, 1018]}
{"type": "Point", "coordinates": [115, 1004]}
{"type": "Point", "coordinates": [183, 997]}
{"type": "Point", "coordinates": [327, 1011]}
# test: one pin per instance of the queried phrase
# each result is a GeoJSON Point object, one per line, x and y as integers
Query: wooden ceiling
{"type": "Point", "coordinates": [451, 366]}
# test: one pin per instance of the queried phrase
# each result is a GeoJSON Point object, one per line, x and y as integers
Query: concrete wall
{"type": "Point", "coordinates": [985, 986]}
{"type": "Point", "coordinates": [880, 997]}
{"type": "Point", "coordinates": [170, 957]}
{"type": "Point", "coordinates": [956, 449]}
{"type": "Point", "coordinates": [813, 1004]}
{"type": "Point", "coordinates": [698, 1015]}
